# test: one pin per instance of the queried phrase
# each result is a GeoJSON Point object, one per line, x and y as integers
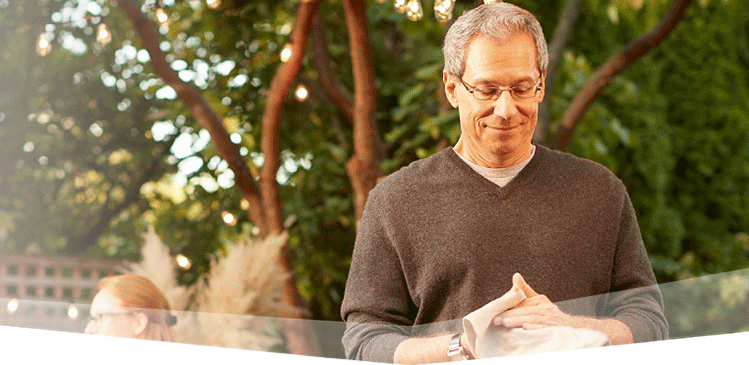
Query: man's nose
{"type": "Point", "coordinates": [504, 106]}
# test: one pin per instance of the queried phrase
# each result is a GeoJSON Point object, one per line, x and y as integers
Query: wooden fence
{"type": "Point", "coordinates": [49, 292]}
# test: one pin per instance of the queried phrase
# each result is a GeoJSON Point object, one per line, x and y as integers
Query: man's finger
{"type": "Point", "coordinates": [519, 282]}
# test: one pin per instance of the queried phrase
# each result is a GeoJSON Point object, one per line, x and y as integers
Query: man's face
{"type": "Point", "coordinates": [497, 133]}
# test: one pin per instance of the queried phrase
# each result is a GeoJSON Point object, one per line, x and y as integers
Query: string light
{"type": "Point", "coordinates": [244, 204]}
{"type": "Point", "coordinates": [72, 312]}
{"type": "Point", "coordinates": [301, 93]}
{"type": "Point", "coordinates": [492, 1]}
{"type": "Point", "coordinates": [183, 261]}
{"type": "Point", "coordinates": [12, 306]}
{"type": "Point", "coordinates": [43, 46]}
{"type": "Point", "coordinates": [229, 218]}
{"type": "Point", "coordinates": [213, 4]}
{"type": "Point", "coordinates": [286, 52]}
{"type": "Point", "coordinates": [443, 9]}
{"type": "Point", "coordinates": [161, 16]}
{"type": "Point", "coordinates": [413, 10]}
{"type": "Point", "coordinates": [400, 5]}
{"type": "Point", "coordinates": [103, 35]}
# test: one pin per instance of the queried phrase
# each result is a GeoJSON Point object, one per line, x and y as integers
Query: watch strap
{"type": "Point", "coordinates": [455, 351]}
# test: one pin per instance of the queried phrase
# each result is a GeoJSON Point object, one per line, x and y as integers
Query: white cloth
{"type": "Point", "coordinates": [486, 340]}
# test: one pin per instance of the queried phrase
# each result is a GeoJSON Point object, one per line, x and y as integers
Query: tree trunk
{"type": "Point", "coordinates": [617, 62]}
{"type": "Point", "coordinates": [364, 166]}
{"type": "Point", "coordinates": [299, 337]}
{"type": "Point", "coordinates": [279, 89]}
{"type": "Point", "coordinates": [562, 34]}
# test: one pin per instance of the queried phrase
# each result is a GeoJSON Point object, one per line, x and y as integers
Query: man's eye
{"type": "Point", "coordinates": [523, 89]}
{"type": "Point", "coordinates": [485, 91]}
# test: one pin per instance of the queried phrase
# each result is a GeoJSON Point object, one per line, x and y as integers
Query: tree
{"type": "Point", "coordinates": [614, 65]}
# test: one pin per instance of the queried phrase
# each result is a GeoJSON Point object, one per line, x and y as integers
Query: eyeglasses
{"type": "Point", "coordinates": [97, 318]}
{"type": "Point", "coordinates": [517, 92]}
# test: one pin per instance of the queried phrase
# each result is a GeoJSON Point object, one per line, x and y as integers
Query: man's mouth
{"type": "Point", "coordinates": [502, 128]}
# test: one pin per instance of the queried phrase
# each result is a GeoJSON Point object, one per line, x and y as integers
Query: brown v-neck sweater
{"type": "Point", "coordinates": [437, 241]}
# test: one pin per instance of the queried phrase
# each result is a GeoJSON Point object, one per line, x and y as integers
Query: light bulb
{"type": "Point", "coordinates": [183, 261]}
{"type": "Point", "coordinates": [43, 46]}
{"type": "Point", "coordinates": [443, 9]}
{"type": "Point", "coordinates": [413, 10]}
{"type": "Point", "coordinates": [229, 218]}
{"type": "Point", "coordinates": [381, 1]}
{"type": "Point", "coordinates": [301, 93]}
{"type": "Point", "coordinates": [492, 1]}
{"type": "Point", "coordinates": [12, 306]}
{"type": "Point", "coordinates": [286, 52]}
{"type": "Point", "coordinates": [213, 4]}
{"type": "Point", "coordinates": [72, 312]}
{"type": "Point", "coordinates": [161, 16]}
{"type": "Point", "coordinates": [400, 5]}
{"type": "Point", "coordinates": [103, 35]}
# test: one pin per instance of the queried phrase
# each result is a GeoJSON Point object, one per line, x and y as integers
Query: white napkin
{"type": "Point", "coordinates": [486, 340]}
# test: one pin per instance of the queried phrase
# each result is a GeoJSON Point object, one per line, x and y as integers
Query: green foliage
{"type": "Point", "coordinates": [674, 127]}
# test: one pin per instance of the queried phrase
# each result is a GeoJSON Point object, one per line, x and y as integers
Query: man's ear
{"type": "Point", "coordinates": [450, 88]}
{"type": "Point", "coordinates": [540, 95]}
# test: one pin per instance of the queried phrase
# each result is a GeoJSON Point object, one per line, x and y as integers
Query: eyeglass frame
{"type": "Point", "coordinates": [96, 319]}
{"type": "Point", "coordinates": [498, 90]}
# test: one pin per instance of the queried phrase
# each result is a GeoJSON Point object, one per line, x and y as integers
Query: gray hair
{"type": "Point", "coordinates": [498, 21]}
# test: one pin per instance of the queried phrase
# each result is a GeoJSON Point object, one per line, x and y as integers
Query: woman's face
{"type": "Point", "coordinates": [110, 318]}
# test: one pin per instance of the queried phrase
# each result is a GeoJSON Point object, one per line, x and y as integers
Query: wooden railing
{"type": "Point", "coordinates": [49, 292]}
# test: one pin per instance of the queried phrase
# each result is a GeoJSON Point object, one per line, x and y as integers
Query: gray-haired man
{"type": "Point", "coordinates": [446, 235]}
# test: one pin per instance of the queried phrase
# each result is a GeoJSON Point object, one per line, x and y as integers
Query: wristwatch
{"type": "Point", "coordinates": [455, 351]}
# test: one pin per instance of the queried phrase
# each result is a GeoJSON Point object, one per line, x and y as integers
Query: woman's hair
{"type": "Point", "coordinates": [498, 21]}
{"type": "Point", "coordinates": [141, 295]}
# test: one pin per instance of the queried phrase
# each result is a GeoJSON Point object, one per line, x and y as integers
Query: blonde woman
{"type": "Point", "coordinates": [130, 306]}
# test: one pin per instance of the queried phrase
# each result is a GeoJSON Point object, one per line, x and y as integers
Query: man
{"type": "Point", "coordinates": [447, 234]}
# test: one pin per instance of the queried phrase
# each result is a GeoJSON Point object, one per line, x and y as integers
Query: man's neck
{"type": "Point", "coordinates": [500, 176]}
{"type": "Point", "coordinates": [493, 162]}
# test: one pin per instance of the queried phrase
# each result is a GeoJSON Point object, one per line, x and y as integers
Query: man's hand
{"type": "Point", "coordinates": [537, 311]}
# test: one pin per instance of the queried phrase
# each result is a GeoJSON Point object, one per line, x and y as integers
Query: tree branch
{"type": "Point", "coordinates": [617, 62]}
{"type": "Point", "coordinates": [562, 34]}
{"type": "Point", "coordinates": [201, 110]}
{"type": "Point", "coordinates": [340, 96]}
{"type": "Point", "coordinates": [279, 88]}
{"type": "Point", "coordinates": [364, 166]}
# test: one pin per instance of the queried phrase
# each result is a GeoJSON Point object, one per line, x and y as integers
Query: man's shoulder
{"type": "Point", "coordinates": [420, 172]}
{"type": "Point", "coordinates": [566, 166]}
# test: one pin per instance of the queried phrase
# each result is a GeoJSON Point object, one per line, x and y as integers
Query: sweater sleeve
{"type": "Point", "coordinates": [377, 307]}
{"type": "Point", "coordinates": [635, 298]}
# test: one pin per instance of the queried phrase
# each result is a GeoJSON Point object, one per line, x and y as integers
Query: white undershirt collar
{"type": "Point", "coordinates": [502, 175]}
